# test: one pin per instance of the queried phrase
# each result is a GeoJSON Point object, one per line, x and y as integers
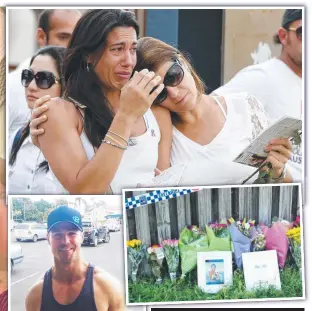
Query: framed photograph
{"type": "Point", "coordinates": [214, 271]}
{"type": "Point", "coordinates": [261, 270]}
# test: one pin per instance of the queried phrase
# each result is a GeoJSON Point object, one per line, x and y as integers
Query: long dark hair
{"type": "Point", "coordinates": [57, 53]}
{"type": "Point", "coordinates": [82, 83]}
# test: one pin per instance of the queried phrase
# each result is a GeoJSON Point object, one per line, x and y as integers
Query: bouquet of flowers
{"type": "Point", "coordinates": [171, 248]}
{"type": "Point", "coordinates": [191, 241]}
{"type": "Point", "coordinates": [136, 251]}
{"type": "Point", "coordinates": [242, 234]}
{"type": "Point", "coordinates": [294, 238]}
{"type": "Point", "coordinates": [219, 238]}
{"type": "Point", "coordinates": [259, 241]}
{"type": "Point", "coordinates": [156, 255]}
{"type": "Point", "coordinates": [220, 230]}
{"type": "Point", "coordinates": [276, 239]}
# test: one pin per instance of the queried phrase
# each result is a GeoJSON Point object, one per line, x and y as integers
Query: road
{"type": "Point", "coordinates": [38, 259]}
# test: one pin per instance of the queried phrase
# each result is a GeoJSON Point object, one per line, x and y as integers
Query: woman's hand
{"type": "Point", "coordinates": [279, 152]}
{"type": "Point", "coordinates": [37, 118]}
{"type": "Point", "coordinates": [135, 97]}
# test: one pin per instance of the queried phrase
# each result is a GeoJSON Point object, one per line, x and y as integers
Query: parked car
{"type": "Point", "coordinates": [113, 225]}
{"type": "Point", "coordinates": [30, 231]}
{"type": "Point", "coordinates": [93, 235]}
{"type": "Point", "coordinates": [16, 255]}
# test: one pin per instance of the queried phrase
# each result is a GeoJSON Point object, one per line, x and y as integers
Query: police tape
{"type": "Point", "coordinates": [156, 196]}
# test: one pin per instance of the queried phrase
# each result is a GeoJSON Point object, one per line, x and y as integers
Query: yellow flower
{"type": "Point", "coordinates": [294, 234]}
{"type": "Point", "coordinates": [134, 243]}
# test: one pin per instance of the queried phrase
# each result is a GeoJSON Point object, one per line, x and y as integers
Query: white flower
{"type": "Point", "coordinates": [247, 226]}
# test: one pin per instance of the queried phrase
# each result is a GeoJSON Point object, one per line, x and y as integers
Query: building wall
{"type": "Point", "coordinates": [22, 35]}
{"type": "Point", "coordinates": [248, 38]}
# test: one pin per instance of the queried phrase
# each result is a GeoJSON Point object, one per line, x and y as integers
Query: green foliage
{"type": "Point", "coordinates": [27, 210]}
{"type": "Point", "coordinates": [145, 290]}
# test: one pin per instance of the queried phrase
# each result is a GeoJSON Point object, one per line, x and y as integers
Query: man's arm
{"type": "Point", "coordinates": [33, 298]}
{"type": "Point", "coordinates": [108, 292]}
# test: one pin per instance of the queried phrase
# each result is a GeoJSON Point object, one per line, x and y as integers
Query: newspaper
{"type": "Point", "coordinates": [169, 177]}
{"type": "Point", "coordinates": [254, 155]}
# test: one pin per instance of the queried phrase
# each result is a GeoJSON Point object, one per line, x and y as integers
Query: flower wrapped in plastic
{"type": "Point", "coordinates": [220, 230]}
{"type": "Point", "coordinates": [294, 238]}
{"type": "Point", "coordinates": [219, 238]}
{"type": "Point", "coordinates": [191, 241]}
{"type": "Point", "coordinates": [156, 255]}
{"type": "Point", "coordinates": [136, 252]}
{"type": "Point", "coordinates": [171, 248]}
{"type": "Point", "coordinates": [242, 235]}
{"type": "Point", "coordinates": [259, 241]}
{"type": "Point", "coordinates": [276, 239]}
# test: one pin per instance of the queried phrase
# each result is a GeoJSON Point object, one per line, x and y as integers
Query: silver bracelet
{"type": "Point", "coordinates": [282, 176]}
{"type": "Point", "coordinates": [126, 141]}
{"type": "Point", "coordinates": [114, 145]}
{"type": "Point", "coordinates": [114, 139]}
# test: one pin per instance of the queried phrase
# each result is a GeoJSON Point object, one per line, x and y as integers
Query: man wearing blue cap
{"type": "Point", "coordinates": [72, 284]}
{"type": "Point", "coordinates": [277, 83]}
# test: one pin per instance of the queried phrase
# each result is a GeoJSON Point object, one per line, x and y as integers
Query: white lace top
{"type": "Point", "coordinates": [245, 120]}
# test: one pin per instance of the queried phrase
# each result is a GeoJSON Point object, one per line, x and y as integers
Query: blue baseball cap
{"type": "Point", "coordinates": [64, 214]}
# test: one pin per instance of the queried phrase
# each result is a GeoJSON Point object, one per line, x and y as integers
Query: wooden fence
{"type": "Point", "coordinates": [165, 220]}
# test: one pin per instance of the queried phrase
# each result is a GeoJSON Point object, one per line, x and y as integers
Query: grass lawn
{"type": "Point", "coordinates": [145, 290]}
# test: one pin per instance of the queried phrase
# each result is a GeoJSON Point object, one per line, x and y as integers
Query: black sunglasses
{"type": "Point", "coordinates": [44, 79]}
{"type": "Point", "coordinates": [173, 77]}
{"type": "Point", "coordinates": [298, 31]}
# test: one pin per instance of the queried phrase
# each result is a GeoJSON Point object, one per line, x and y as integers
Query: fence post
{"type": "Point", "coordinates": [163, 220]}
{"type": "Point", "coordinates": [245, 203]}
{"type": "Point", "coordinates": [285, 202]}
{"type": "Point", "coordinates": [265, 204]}
{"type": "Point", "coordinates": [181, 214]}
{"type": "Point", "coordinates": [225, 203]}
{"type": "Point", "coordinates": [204, 207]}
{"type": "Point", "coordinates": [143, 229]}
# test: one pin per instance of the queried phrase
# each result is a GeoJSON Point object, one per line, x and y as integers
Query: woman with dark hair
{"type": "Point", "coordinates": [102, 136]}
{"type": "Point", "coordinates": [28, 170]}
{"type": "Point", "coordinates": [209, 131]}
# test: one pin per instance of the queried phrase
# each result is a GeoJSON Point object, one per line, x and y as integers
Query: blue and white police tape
{"type": "Point", "coordinates": [156, 196]}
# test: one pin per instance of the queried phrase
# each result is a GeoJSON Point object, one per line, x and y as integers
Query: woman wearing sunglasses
{"type": "Point", "coordinates": [28, 171]}
{"type": "Point", "coordinates": [207, 128]}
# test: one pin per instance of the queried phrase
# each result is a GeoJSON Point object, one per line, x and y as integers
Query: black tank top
{"type": "Point", "coordinates": [85, 300]}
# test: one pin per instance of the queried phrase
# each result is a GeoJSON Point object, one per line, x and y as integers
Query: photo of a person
{"type": "Point", "coordinates": [256, 160]}
{"type": "Point", "coordinates": [215, 271]}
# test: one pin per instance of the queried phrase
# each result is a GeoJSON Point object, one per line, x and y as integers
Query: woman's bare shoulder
{"type": "Point", "coordinates": [61, 111]}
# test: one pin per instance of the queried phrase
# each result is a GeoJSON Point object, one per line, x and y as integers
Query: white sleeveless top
{"type": "Point", "coordinates": [138, 161]}
{"type": "Point", "coordinates": [25, 177]}
{"type": "Point", "coordinates": [245, 120]}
